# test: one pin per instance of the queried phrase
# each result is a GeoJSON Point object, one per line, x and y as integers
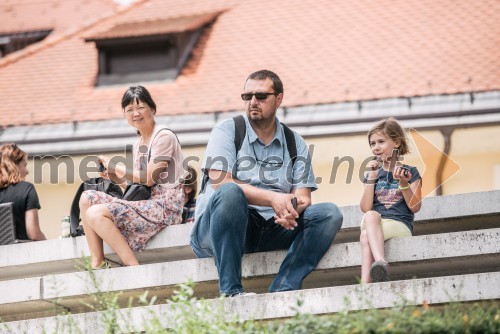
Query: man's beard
{"type": "Point", "coordinates": [259, 118]}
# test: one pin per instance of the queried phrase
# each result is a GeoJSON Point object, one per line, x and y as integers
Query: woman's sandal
{"type": "Point", "coordinates": [104, 265]}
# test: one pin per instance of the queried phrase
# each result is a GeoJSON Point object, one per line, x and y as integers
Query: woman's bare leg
{"type": "Point", "coordinates": [99, 219]}
{"type": "Point", "coordinates": [93, 239]}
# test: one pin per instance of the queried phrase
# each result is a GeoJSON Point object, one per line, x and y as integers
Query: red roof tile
{"type": "Point", "coordinates": [325, 51]}
{"type": "Point", "coordinates": [160, 26]}
{"type": "Point", "coordinates": [57, 15]}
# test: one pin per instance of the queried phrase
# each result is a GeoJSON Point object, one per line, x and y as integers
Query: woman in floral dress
{"type": "Point", "coordinates": [127, 226]}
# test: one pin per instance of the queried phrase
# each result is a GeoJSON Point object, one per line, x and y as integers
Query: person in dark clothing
{"type": "Point", "coordinates": [190, 186]}
{"type": "Point", "coordinates": [13, 188]}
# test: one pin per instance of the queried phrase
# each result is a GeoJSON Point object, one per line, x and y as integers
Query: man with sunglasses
{"type": "Point", "coordinates": [256, 198]}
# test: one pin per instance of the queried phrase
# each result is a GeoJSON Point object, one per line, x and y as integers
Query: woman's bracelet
{"type": "Point", "coordinates": [404, 188]}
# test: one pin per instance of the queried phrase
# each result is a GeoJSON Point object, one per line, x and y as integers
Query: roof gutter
{"type": "Point", "coordinates": [327, 120]}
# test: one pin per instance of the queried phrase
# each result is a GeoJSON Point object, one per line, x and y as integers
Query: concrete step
{"type": "Point", "coordinates": [64, 255]}
{"type": "Point", "coordinates": [436, 290]}
{"type": "Point", "coordinates": [452, 213]}
{"type": "Point", "coordinates": [462, 212]}
{"type": "Point", "coordinates": [421, 256]}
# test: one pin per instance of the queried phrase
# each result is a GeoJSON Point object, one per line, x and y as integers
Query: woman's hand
{"type": "Point", "coordinates": [104, 161]}
{"type": "Point", "coordinates": [102, 166]}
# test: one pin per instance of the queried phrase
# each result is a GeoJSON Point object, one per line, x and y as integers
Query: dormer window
{"type": "Point", "coordinates": [139, 59]}
{"type": "Point", "coordinates": [147, 51]}
{"type": "Point", "coordinates": [16, 41]}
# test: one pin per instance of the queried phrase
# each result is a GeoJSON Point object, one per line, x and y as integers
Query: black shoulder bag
{"type": "Point", "coordinates": [95, 183]}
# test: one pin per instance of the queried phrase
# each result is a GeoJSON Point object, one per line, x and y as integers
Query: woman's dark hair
{"type": "Point", "coordinates": [138, 94]}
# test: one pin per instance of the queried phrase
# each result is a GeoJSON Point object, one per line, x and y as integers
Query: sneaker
{"type": "Point", "coordinates": [241, 294]}
{"type": "Point", "coordinates": [379, 271]}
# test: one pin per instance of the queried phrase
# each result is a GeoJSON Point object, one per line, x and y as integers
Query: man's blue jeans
{"type": "Point", "coordinates": [228, 229]}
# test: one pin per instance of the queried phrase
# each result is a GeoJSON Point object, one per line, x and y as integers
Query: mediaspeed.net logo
{"type": "Point", "coordinates": [65, 169]}
{"type": "Point", "coordinates": [427, 155]}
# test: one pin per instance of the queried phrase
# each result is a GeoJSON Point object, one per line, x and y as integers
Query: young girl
{"type": "Point", "coordinates": [392, 196]}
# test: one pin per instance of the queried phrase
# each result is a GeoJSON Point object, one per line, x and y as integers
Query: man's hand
{"type": "Point", "coordinates": [285, 213]}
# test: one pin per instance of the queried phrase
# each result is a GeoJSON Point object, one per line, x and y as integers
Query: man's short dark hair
{"type": "Point", "coordinates": [263, 75]}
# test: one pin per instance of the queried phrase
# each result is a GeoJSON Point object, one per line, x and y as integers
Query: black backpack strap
{"type": "Point", "coordinates": [75, 212]}
{"type": "Point", "coordinates": [204, 181]}
{"type": "Point", "coordinates": [290, 143]}
{"type": "Point", "coordinates": [240, 131]}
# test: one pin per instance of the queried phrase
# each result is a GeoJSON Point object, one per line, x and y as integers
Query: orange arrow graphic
{"type": "Point", "coordinates": [430, 155]}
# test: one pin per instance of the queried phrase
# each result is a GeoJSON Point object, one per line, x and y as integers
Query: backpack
{"type": "Point", "coordinates": [240, 131]}
{"type": "Point", "coordinates": [96, 183]}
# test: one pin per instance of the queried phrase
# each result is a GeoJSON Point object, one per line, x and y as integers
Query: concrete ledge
{"type": "Point", "coordinates": [438, 215]}
{"type": "Point", "coordinates": [474, 287]}
{"type": "Point", "coordinates": [442, 214]}
{"type": "Point", "coordinates": [23, 289]}
{"type": "Point", "coordinates": [461, 205]}
{"type": "Point", "coordinates": [422, 256]}
{"type": "Point", "coordinates": [63, 255]}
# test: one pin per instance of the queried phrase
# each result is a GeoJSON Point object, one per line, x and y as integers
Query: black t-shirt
{"type": "Point", "coordinates": [24, 197]}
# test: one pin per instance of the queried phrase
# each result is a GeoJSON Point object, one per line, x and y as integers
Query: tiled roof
{"type": "Point", "coordinates": [325, 51]}
{"type": "Point", "coordinates": [159, 26]}
{"type": "Point", "coordinates": [57, 15]}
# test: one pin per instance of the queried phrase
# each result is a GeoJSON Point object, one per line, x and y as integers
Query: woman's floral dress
{"type": "Point", "coordinates": [138, 221]}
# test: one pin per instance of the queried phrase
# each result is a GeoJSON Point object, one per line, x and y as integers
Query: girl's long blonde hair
{"type": "Point", "coordinates": [10, 158]}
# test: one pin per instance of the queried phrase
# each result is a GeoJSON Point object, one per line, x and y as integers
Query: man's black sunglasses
{"type": "Point", "coordinates": [259, 96]}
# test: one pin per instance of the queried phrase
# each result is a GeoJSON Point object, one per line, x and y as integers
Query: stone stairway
{"type": "Point", "coordinates": [453, 255]}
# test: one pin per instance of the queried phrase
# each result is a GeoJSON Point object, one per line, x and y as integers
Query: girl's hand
{"type": "Point", "coordinates": [374, 166]}
{"type": "Point", "coordinates": [403, 175]}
